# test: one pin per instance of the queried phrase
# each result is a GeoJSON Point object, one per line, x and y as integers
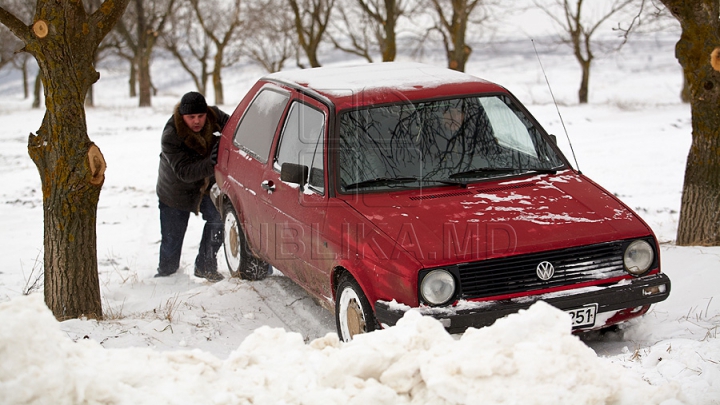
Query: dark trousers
{"type": "Point", "coordinates": [173, 224]}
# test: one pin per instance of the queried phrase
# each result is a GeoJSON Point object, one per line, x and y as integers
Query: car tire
{"type": "Point", "coordinates": [240, 260]}
{"type": "Point", "coordinates": [353, 313]}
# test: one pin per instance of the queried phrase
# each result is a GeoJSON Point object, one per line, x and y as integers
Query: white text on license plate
{"type": "Point", "coordinates": [584, 316]}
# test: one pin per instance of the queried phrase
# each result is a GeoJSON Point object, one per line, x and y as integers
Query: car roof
{"type": "Point", "coordinates": [380, 83]}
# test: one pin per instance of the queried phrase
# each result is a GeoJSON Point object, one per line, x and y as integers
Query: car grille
{"type": "Point", "coordinates": [517, 274]}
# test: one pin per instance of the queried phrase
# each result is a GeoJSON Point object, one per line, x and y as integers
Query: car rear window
{"type": "Point", "coordinates": [255, 132]}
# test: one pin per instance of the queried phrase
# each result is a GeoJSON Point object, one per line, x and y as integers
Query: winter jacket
{"type": "Point", "coordinates": [187, 168]}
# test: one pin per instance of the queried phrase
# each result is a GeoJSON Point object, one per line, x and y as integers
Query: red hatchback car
{"type": "Point", "coordinates": [388, 187]}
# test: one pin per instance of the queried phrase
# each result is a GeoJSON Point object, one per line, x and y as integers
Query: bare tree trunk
{"type": "Point", "coordinates": [584, 81]}
{"type": "Point", "coordinates": [312, 56]}
{"type": "Point", "coordinates": [217, 79]}
{"type": "Point", "coordinates": [699, 55]}
{"type": "Point", "coordinates": [217, 72]}
{"type": "Point", "coordinates": [460, 53]}
{"type": "Point", "coordinates": [389, 46]}
{"type": "Point", "coordinates": [132, 81]}
{"type": "Point", "coordinates": [26, 79]}
{"type": "Point", "coordinates": [70, 200]}
{"type": "Point", "coordinates": [37, 90]}
{"type": "Point", "coordinates": [63, 39]}
{"type": "Point", "coordinates": [144, 82]}
{"type": "Point", "coordinates": [458, 57]}
{"type": "Point", "coordinates": [451, 23]}
{"type": "Point", "coordinates": [60, 151]}
{"type": "Point", "coordinates": [147, 33]}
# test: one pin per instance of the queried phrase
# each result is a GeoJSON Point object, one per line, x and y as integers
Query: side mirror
{"type": "Point", "coordinates": [294, 173]}
{"type": "Point", "coordinates": [553, 139]}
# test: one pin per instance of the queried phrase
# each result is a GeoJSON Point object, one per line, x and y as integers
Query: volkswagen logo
{"type": "Point", "coordinates": [545, 271]}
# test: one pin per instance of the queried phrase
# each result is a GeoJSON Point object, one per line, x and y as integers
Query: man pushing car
{"type": "Point", "coordinates": [186, 173]}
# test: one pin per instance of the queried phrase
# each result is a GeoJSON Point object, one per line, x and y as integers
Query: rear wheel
{"type": "Point", "coordinates": [240, 260]}
{"type": "Point", "coordinates": [353, 313]}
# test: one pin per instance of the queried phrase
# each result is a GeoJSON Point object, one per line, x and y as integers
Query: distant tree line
{"type": "Point", "coordinates": [207, 36]}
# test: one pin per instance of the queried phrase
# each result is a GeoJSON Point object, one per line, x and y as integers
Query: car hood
{"type": "Point", "coordinates": [440, 226]}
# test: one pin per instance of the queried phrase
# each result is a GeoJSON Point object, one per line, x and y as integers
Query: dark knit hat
{"type": "Point", "coordinates": [192, 103]}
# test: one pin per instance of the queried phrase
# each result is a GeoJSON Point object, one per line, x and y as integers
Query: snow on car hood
{"type": "Point", "coordinates": [500, 218]}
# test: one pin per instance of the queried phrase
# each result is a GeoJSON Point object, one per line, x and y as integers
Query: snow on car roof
{"type": "Point", "coordinates": [339, 81]}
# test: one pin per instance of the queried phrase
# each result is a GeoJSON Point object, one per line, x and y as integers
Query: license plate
{"type": "Point", "coordinates": [584, 316]}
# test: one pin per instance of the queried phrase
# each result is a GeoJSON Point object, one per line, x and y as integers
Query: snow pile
{"type": "Point", "coordinates": [527, 358]}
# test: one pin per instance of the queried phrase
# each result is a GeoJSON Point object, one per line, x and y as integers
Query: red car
{"type": "Point", "coordinates": [388, 187]}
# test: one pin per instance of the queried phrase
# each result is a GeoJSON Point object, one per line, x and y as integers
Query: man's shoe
{"type": "Point", "coordinates": [162, 274]}
{"type": "Point", "coordinates": [213, 276]}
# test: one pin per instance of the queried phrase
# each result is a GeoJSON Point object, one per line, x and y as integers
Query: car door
{"type": "Point", "coordinates": [295, 238]}
{"type": "Point", "coordinates": [250, 157]}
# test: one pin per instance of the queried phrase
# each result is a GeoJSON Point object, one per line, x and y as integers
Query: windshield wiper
{"type": "Point", "coordinates": [481, 171]}
{"type": "Point", "coordinates": [544, 171]}
{"type": "Point", "coordinates": [381, 181]}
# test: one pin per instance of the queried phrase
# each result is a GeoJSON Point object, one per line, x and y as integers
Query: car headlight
{"type": "Point", "coordinates": [437, 287]}
{"type": "Point", "coordinates": [638, 257]}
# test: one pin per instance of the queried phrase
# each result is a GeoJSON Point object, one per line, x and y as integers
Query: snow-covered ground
{"type": "Point", "coordinates": [181, 340]}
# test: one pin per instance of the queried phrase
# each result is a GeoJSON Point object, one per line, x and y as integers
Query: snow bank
{"type": "Point", "coordinates": [527, 358]}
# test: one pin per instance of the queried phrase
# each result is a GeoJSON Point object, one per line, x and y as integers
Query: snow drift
{"type": "Point", "coordinates": [527, 358]}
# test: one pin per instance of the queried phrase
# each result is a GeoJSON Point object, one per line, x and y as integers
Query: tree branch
{"type": "Point", "coordinates": [106, 16]}
{"type": "Point", "coordinates": [17, 27]}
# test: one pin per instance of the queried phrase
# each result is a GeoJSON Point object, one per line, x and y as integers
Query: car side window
{"type": "Point", "coordinates": [302, 142]}
{"type": "Point", "coordinates": [256, 131]}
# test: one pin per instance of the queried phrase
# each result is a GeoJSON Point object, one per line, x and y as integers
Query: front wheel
{"type": "Point", "coordinates": [353, 313]}
{"type": "Point", "coordinates": [240, 260]}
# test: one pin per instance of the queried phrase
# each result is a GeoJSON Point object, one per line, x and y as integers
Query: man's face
{"type": "Point", "coordinates": [195, 121]}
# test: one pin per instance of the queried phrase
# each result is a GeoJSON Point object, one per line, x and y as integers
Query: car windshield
{"type": "Point", "coordinates": [440, 142]}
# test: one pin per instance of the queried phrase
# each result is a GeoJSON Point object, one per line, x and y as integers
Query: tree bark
{"type": "Point", "coordinates": [584, 90]}
{"type": "Point", "coordinates": [26, 79]}
{"type": "Point", "coordinates": [132, 80]}
{"type": "Point", "coordinates": [36, 90]}
{"type": "Point", "coordinates": [388, 45]}
{"type": "Point", "coordinates": [454, 30]}
{"type": "Point", "coordinates": [217, 79]}
{"type": "Point", "coordinates": [145, 42]}
{"type": "Point", "coordinates": [63, 39]}
{"type": "Point", "coordinates": [144, 81]}
{"type": "Point", "coordinates": [584, 56]}
{"type": "Point", "coordinates": [460, 52]}
{"type": "Point", "coordinates": [698, 52]}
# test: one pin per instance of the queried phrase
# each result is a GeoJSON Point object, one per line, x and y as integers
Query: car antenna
{"type": "Point", "coordinates": [556, 106]}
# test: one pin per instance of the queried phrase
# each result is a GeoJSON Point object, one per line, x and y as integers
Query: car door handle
{"type": "Point", "coordinates": [268, 186]}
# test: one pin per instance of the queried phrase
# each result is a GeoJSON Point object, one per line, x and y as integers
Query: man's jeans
{"type": "Point", "coordinates": [173, 224]}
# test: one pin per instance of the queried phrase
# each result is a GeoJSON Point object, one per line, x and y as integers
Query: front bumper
{"type": "Point", "coordinates": [624, 295]}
